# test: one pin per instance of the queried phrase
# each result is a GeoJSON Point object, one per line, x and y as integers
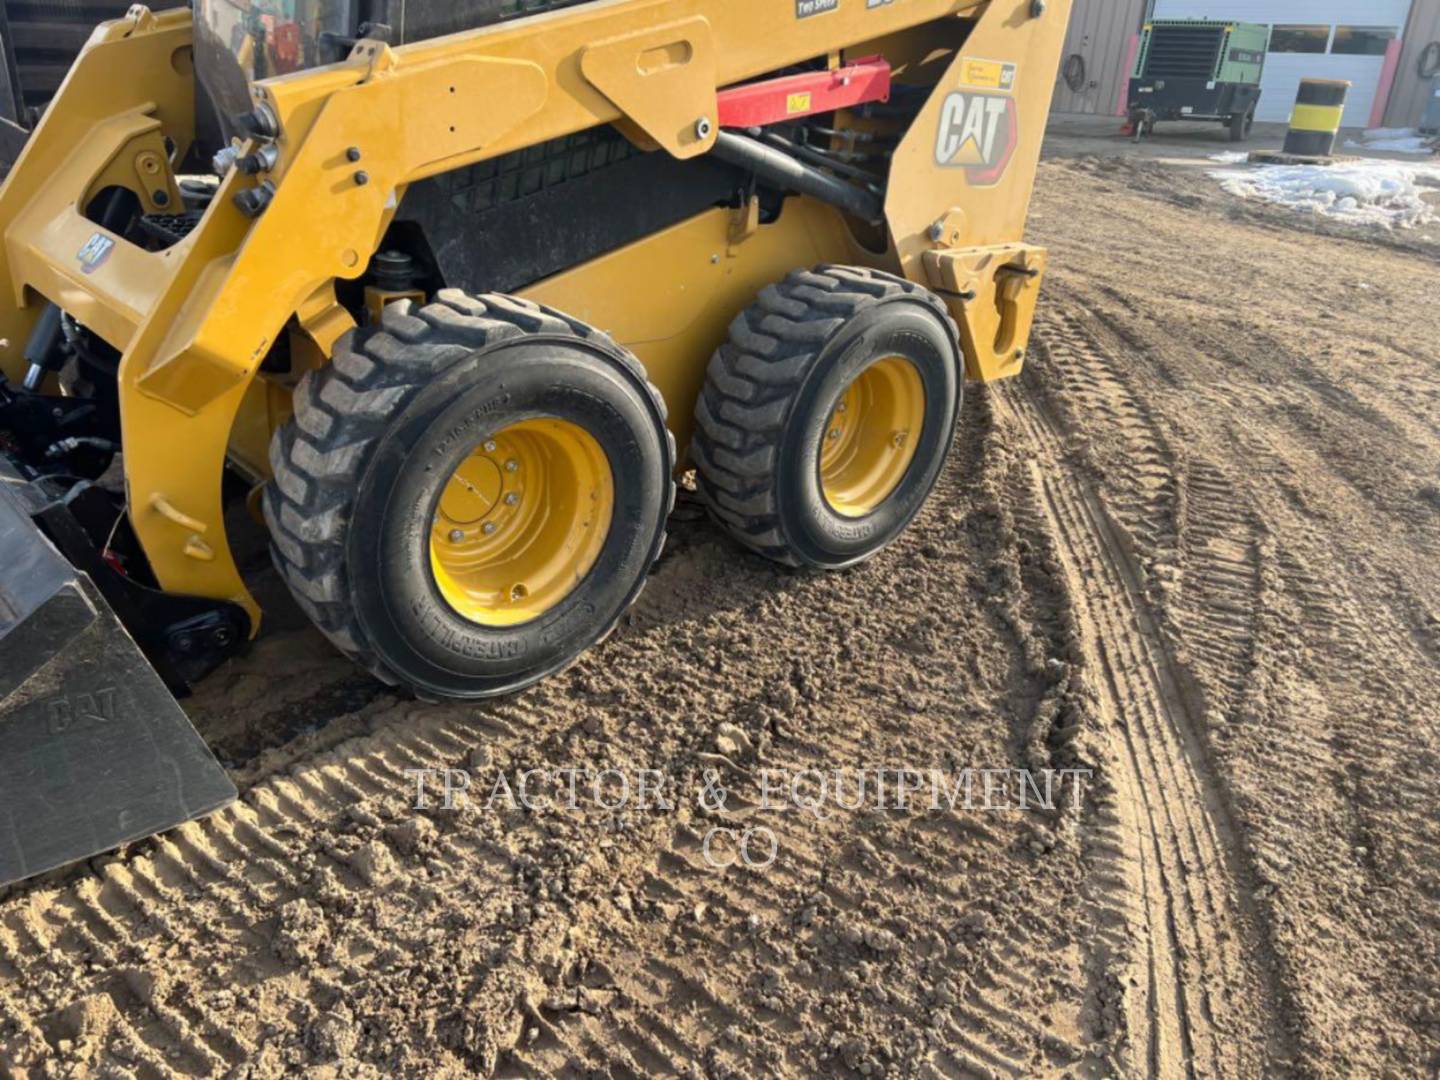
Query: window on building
{"type": "Point", "coordinates": [1299, 39]}
{"type": "Point", "coordinates": [1363, 40]}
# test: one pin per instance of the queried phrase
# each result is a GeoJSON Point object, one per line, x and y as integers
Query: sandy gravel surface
{"type": "Point", "coordinates": [1192, 551]}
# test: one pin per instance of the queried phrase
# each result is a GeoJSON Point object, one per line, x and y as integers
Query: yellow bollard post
{"type": "Point", "coordinates": [1316, 120]}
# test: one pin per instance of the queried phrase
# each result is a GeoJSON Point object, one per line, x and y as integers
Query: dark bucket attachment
{"type": "Point", "coordinates": [94, 751]}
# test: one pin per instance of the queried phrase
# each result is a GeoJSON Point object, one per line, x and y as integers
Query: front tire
{"type": "Point", "coordinates": [827, 416]}
{"type": "Point", "coordinates": [471, 494]}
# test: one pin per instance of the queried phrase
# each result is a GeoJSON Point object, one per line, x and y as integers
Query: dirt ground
{"type": "Point", "coordinates": [1193, 549]}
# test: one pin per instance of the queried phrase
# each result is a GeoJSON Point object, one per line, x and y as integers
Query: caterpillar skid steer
{"type": "Point", "coordinates": [450, 294]}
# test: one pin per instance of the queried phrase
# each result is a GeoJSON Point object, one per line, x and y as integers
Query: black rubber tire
{"type": "Point", "coordinates": [768, 394]}
{"type": "Point", "coordinates": [376, 434]}
{"type": "Point", "coordinates": [1241, 125]}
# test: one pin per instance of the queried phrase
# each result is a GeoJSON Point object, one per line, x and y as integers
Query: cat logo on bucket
{"type": "Point", "coordinates": [980, 128]}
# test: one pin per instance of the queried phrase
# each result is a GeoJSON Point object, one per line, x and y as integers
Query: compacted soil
{"type": "Point", "coordinates": [1189, 561]}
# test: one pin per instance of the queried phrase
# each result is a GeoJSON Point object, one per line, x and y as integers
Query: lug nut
{"type": "Point", "coordinates": [512, 465]}
{"type": "Point", "coordinates": [456, 535]}
{"type": "Point", "coordinates": [835, 433]}
{"type": "Point", "coordinates": [489, 446]}
{"type": "Point", "coordinates": [263, 159]}
{"type": "Point", "coordinates": [259, 121]}
{"type": "Point", "coordinates": [512, 499]}
{"type": "Point", "coordinates": [488, 528]}
{"type": "Point", "coordinates": [253, 201]}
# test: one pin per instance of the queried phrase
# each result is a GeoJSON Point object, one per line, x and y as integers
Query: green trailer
{"type": "Point", "coordinates": [1198, 69]}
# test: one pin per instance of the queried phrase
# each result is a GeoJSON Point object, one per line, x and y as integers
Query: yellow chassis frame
{"type": "Point", "coordinates": [195, 321]}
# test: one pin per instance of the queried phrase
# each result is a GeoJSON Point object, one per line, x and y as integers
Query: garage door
{"type": "Point", "coordinates": [1315, 39]}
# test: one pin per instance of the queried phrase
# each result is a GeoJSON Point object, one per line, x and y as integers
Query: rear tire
{"type": "Point", "coordinates": [776, 395]}
{"type": "Point", "coordinates": [380, 435]}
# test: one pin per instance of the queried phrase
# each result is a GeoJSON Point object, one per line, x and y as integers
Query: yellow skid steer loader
{"type": "Point", "coordinates": [451, 293]}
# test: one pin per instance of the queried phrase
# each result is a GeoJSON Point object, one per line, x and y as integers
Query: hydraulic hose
{"type": "Point", "coordinates": [784, 171]}
{"type": "Point", "coordinates": [813, 156]}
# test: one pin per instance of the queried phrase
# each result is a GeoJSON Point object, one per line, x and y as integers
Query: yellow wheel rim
{"type": "Point", "coordinates": [521, 522]}
{"type": "Point", "coordinates": [871, 436]}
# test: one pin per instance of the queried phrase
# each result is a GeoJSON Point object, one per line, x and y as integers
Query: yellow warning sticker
{"type": "Point", "coordinates": [988, 74]}
{"type": "Point", "coordinates": [797, 103]}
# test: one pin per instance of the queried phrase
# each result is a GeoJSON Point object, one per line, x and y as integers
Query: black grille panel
{"type": "Point", "coordinates": [537, 168]}
{"type": "Point", "coordinates": [1183, 52]}
{"type": "Point", "coordinates": [166, 230]}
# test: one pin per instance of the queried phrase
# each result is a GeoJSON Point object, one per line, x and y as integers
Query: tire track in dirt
{"type": "Point", "coordinates": [1273, 626]}
{"type": "Point", "coordinates": [1367, 426]}
{"type": "Point", "coordinates": [1201, 983]}
{"type": "Point", "coordinates": [206, 885]}
{"type": "Point", "coordinates": [970, 1026]}
{"type": "Point", "coordinates": [1280, 628]}
{"type": "Point", "coordinates": [1315, 424]}
{"type": "Point", "coordinates": [1304, 441]}
{"type": "Point", "coordinates": [1290, 556]}
{"type": "Point", "coordinates": [1184, 523]}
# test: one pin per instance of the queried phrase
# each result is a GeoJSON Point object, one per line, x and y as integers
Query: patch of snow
{"type": "Point", "coordinates": [1393, 140]}
{"type": "Point", "coordinates": [1368, 192]}
{"type": "Point", "coordinates": [1230, 157]}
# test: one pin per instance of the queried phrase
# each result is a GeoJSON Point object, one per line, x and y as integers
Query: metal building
{"type": "Point", "coordinates": [1099, 53]}
{"type": "Point", "coordinates": [1383, 48]}
{"type": "Point", "coordinates": [1417, 79]}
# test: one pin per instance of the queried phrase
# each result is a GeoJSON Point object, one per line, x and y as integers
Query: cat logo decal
{"type": "Point", "coordinates": [980, 123]}
{"type": "Point", "coordinates": [94, 252]}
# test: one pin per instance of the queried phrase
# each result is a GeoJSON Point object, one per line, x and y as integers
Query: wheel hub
{"type": "Point", "coordinates": [521, 521]}
{"type": "Point", "coordinates": [871, 436]}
